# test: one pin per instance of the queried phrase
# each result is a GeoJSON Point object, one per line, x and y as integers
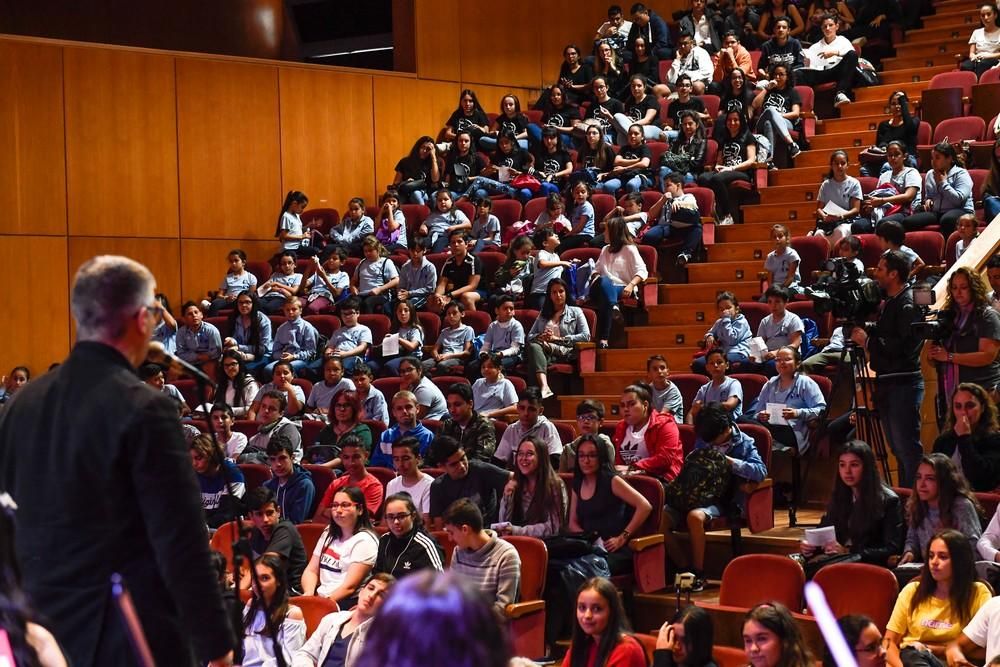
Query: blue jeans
{"type": "Point", "coordinates": [604, 294]}
{"type": "Point", "coordinates": [898, 400]}
{"type": "Point", "coordinates": [535, 136]}
{"type": "Point", "coordinates": [613, 185]}
{"type": "Point", "coordinates": [666, 171]}
{"type": "Point", "coordinates": [991, 207]}
{"type": "Point", "coordinates": [482, 187]}
{"type": "Point", "coordinates": [297, 367]}
{"type": "Point", "coordinates": [490, 143]}
{"type": "Point", "coordinates": [483, 244]}
{"type": "Point", "coordinates": [698, 365]}
{"type": "Point", "coordinates": [622, 122]}
{"type": "Point", "coordinates": [547, 189]}
{"type": "Point", "coordinates": [413, 192]}
{"type": "Point", "coordinates": [772, 124]}
{"type": "Point", "coordinates": [690, 236]}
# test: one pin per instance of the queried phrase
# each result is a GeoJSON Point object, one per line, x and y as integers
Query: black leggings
{"type": "Point", "coordinates": [718, 182]}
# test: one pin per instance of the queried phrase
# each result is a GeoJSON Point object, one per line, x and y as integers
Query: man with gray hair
{"type": "Point", "coordinates": [95, 459]}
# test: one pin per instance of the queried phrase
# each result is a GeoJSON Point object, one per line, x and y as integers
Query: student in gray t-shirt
{"type": "Point", "coordinates": [349, 342]}
{"type": "Point", "coordinates": [782, 327]}
{"type": "Point", "coordinates": [454, 343]}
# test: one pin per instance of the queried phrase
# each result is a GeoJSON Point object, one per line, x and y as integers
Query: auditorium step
{"type": "Point", "coordinates": [783, 212]}
{"type": "Point", "coordinates": [734, 251]}
{"type": "Point", "coordinates": [958, 31]}
{"type": "Point", "coordinates": [684, 335]}
{"type": "Point", "coordinates": [929, 59]}
{"type": "Point", "coordinates": [633, 360]}
{"type": "Point", "coordinates": [924, 47]}
{"type": "Point", "coordinates": [882, 92]}
{"type": "Point", "coordinates": [760, 231]}
{"type": "Point", "coordinates": [913, 74]}
{"type": "Point", "coordinates": [717, 272]}
{"type": "Point", "coordinates": [832, 140]}
{"type": "Point", "coordinates": [796, 175]}
{"type": "Point", "coordinates": [953, 17]}
{"type": "Point", "coordinates": [821, 157]}
{"type": "Point", "coordinates": [685, 313]}
{"type": "Point", "coordinates": [699, 293]}
{"type": "Point", "coordinates": [849, 124]}
{"type": "Point", "coordinates": [787, 194]}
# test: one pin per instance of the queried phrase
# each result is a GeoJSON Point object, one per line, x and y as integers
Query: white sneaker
{"type": "Point", "coordinates": [728, 220]}
{"type": "Point", "coordinates": [794, 150]}
{"type": "Point", "coordinates": [840, 100]}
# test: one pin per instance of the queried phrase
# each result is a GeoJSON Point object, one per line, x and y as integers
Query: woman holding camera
{"type": "Point", "coordinates": [968, 353]}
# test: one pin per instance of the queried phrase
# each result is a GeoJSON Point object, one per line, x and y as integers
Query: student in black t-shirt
{"type": "Point", "coordinates": [482, 483]}
{"type": "Point", "coordinates": [510, 119]}
{"type": "Point", "coordinates": [417, 174]}
{"type": "Point", "coordinates": [777, 109]}
{"type": "Point", "coordinates": [552, 164]}
{"type": "Point", "coordinates": [274, 534]}
{"type": "Point", "coordinates": [595, 158]}
{"type": "Point", "coordinates": [736, 157]}
{"type": "Point", "coordinates": [468, 116]}
{"type": "Point", "coordinates": [460, 276]}
{"type": "Point", "coordinates": [781, 49]}
{"type": "Point", "coordinates": [602, 111]}
{"type": "Point", "coordinates": [631, 166]}
{"type": "Point", "coordinates": [608, 65]}
{"type": "Point", "coordinates": [645, 63]}
{"type": "Point", "coordinates": [463, 164]}
{"type": "Point", "coordinates": [507, 163]}
{"type": "Point", "coordinates": [557, 112]}
{"type": "Point", "coordinates": [574, 74]}
{"type": "Point", "coordinates": [685, 102]}
{"type": "Point", "coordinates": [738, 95]}
{"type": "Point", "coordinates": [641, 109]}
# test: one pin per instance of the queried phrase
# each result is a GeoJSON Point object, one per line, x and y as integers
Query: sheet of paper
{"type": "Point", "coordinates": [774, 412]}
{"type": "Point", "coordinates": [818, 537]}
{"type": "Point", "coordinates": [832, 209]}
{"type": "Point", "coordinates": [758, 348]}
{"type": "Point", "coordinates": [390, 345]}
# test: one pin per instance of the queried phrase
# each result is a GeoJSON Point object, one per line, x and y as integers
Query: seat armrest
{"type": "Point", "coordinates": [642, 543]}
{"type": "Point", "coordinates": [519, 609]}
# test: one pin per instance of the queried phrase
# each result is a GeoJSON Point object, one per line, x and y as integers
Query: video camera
{"type": "Point", "coordinates": [938, 325]}
{"type": "Point", "coordinates": [842, 289]}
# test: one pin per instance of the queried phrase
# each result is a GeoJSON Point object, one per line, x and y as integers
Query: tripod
{"type": "Point", "coordinates": [866, 421]}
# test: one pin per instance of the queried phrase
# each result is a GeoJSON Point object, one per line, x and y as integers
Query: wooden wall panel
{"type": "Point", "coordinates": [32, 155]}
{"type": "Point", "coordinates": [35, 332]}
{"type": "Point", "coordinates": [327, 135]}
{"type": "Point", "coordinates": [121, 143]}
{"type": "Point", "coordinates": [437, 25]}
{"type": "Point", "coordinates": [228, 149]}
{"type": "Point", "coordinates": [498, 49]}
{"type": "Point", "coordinates": [203, 263]}
{"type": "Point", "coordinates": [405, 109]}
{"type": "Point", "coordinates": [161, 256]}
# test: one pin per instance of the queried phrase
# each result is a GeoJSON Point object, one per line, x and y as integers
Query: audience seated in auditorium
{"type": "Point", "coordinates": [271, 421]}
{"type": "Point", "coordinates": [290, 483]}
{"type": "Point", "coordinates": [531, 421]}
{"type": "Point", "coordinates": [274, 533]}
{"type": "Point", "coordinates": [269, 608]}
{"type": "Point", "coordinates": [345, 422]}
{"type": "Point", "coordinates": [464, 423]}
{"type": "Point", "coordinates": [404, 410]}
{"type": "Point", "coordinates": [409, 479]}
{"type": "Point", "coordinates": [221, 482]}
{"type": "Point", "coordinates": [534, 502]}
{"type": "Point", "coordinates": [406, 548]}
{"type": "Point", "coordinates": [464, 478]}
{"type": "Point", "coordinates": [352, 457]}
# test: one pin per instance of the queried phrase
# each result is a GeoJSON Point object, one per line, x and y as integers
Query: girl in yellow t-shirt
{"type": "Point", "coordinates": [932, 611]}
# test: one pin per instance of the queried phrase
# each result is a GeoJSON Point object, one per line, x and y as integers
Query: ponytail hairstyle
{"type": "Point", "coordinates": [293, 197]}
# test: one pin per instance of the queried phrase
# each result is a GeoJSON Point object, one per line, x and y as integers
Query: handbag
{"type": "Point", "coordinates": [568, 546]}
{"type": "Point", "coordinates": [526, 182]}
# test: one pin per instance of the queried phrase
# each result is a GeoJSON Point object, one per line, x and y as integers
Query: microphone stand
{"type": "Point", "coordinates": [241, 549]}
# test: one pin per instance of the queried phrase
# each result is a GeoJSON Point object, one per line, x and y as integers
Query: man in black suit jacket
{"type": "Point", "coordinates": [95, 459]}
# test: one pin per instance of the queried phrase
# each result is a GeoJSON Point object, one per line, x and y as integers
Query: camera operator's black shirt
{"type": "Point", "coordinates": [892, 344]}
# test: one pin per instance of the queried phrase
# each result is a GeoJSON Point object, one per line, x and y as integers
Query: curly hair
{"type": "Point", "coordinates": [977, 286]}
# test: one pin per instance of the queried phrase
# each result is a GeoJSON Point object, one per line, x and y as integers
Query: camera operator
{"type": "Point", "coordinates": [969, 336]}
{"type": "Point", "coordinates": [894, 353]}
